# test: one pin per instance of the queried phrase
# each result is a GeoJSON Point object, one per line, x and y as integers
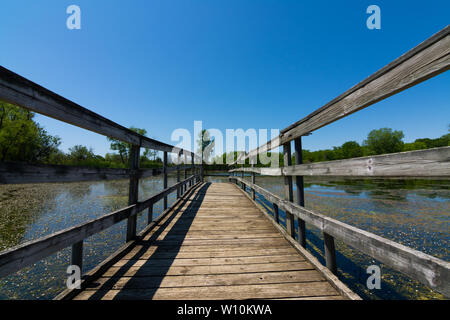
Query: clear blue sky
{"type": "Point", "coordinates": [160, 65]}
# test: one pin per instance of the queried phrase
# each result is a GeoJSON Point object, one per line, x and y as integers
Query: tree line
{"type": "Point", "coordinates": [23, 139]}
{"type": "Point", "coordinates": [378, 141]}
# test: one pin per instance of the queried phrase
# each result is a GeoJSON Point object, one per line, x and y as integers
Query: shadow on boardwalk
{"type": "Point", "coordinates": [157, 265]}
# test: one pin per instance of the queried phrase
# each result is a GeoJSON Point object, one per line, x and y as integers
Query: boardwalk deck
{"type": "Point", "coordinates": [215, 244]}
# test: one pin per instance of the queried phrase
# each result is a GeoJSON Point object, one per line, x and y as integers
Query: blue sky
{"type": "Point", "coordinates": [160, 65]}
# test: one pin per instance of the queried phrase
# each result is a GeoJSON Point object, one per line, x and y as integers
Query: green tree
{"type": "Point", "coordinates": [205, 145]}
{"type": "Point", "coordinates": [81, 153]}
{"type": "Point", "coordinates": [21, 138]}
{"type": "Point", "coordinates": [124, 148]}
{"type": "Point", "coordinates": [351, 149]}
{"type": "Point", "coordinates": [417, 145]}
{"type": "Point", "coordinates": [384, 140]}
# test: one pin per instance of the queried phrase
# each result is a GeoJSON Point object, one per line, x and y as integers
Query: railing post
{"type": "Point", "coordinates": [330, 252]}
{"type": "Point", "coordinates": [242, 176]}
{"type": "Point", "coordinates": [275, 213]}
{"type": "Point", "coordinates": [201, 172]}
{"type": "Point", "coordinates": [165, 178]}
{"type": "Point", "coordinates": [133, 191]}
{"type": "Point", "coordinates": [253, 182]}
{"type": "Point", "coordinates": [193, 169]}
{"type": "Point", "coordinates": [77, 255]}
{"type": "Point", "coordinates": [185, 172]}
{"type": "Point", "coordinates": [150, 214]}
{"type": "Point", "coordinates": [288, 192]}
{"type": "Point", "coordinates": [300, 192]}
{"type": "Point", "coordinates": [179, 191]}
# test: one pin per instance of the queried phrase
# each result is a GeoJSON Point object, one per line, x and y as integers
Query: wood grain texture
{"type": "Point", "coordinates": [18, 173]}
{"type": "Point", "coordinates": [198, 252]}
{"type": "Point", "coordinates": [431, 163]}
{"type": "Point", "coordinates": [431, 271]}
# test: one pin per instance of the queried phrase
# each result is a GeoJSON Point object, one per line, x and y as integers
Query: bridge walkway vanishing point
{"type": "Point", "coordinates": [214, 244]}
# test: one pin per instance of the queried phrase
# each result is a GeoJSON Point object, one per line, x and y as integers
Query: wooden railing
{"type": "Point", "coordinates": [428, 59]}
{"type": "Point", "coordinates": [22, 92]}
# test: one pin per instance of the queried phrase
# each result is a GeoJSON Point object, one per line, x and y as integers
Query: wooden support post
{"type": "Point", "coordinates": [185, 172]}
{"type": "Point", "coordinates": [77, 255]}
{"type": "Point", "coordinates": [288, 192]}
{"type": "Point", "coordinates": [242, 176]}
{"type": "Point", "coordinates": [193, 169]}
{"type": "Point", "coordinates": [276, 215]}
{"type": "Point", "coordinates": [330, 252]}
{"type": "Point", "coordinates": [133, 191]}
{"type": "Point", "coordinates": [150, 214]}
{"type": "Point", "coordinates": [253, 182]}
{"type": "Point", "coordinates": [165, 178]}
{"type": "Point", "coordinates": [179, 191]}
{"type": "Point", "coordinates": [301, 229]}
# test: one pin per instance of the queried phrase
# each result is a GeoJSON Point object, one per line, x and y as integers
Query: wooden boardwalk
{"type": "Point", "coordinates": [215, 244]}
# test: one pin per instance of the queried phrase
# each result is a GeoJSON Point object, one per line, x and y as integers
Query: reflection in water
{"type": "Point", "coordinates": [29, 212]}
{"type": "Point", "coordinates": [412, 212]}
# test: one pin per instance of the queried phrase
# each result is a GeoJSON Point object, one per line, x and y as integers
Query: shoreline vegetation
{"type": "Point", "coordinates": [22, 139]}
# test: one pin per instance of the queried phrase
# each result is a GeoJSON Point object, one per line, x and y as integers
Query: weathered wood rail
{"type": "Point", "coordinates": [427, 60]}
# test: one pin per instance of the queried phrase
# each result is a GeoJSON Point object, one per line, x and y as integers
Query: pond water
{"type": "Point", "coordinates": [412, 212]}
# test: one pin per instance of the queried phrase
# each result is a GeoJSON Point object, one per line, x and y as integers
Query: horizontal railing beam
{"type": "Point", "coordinates": [18, 172]}
{"type": "Point", "coordinates": [425, 61]}
{"type": "Point", "coordinates": [20, 91]}
{"type": "Point", "coordinates": [18, 257]}
{"type": "Point", "coordinates": [420, 163]}
{"type": "Point", "coordinates": [431, 271]}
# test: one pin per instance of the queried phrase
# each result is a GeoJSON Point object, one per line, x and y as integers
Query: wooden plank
{"type": "Point", "coordinates": [433, 162]}
{"type": "Point", "coordinates": [239, 292]}
{"type": "Point", "coordinates": [420, 163]}
{"type": "Point", "coordinates": [217, 242]}
{"type": "Point", "coordinates": [425, 61]}
{"type": "Point", "coordinates": [145, 252]}
{"type": "Point", "coordinates": [77, 255]}
{"type": "Point", "coordinates": [133, 191]}
{"type": "Point", "coordinates": [330, 252]}
{"type": "Point", "coordinates": [288, 190]}
{"type": "Point", "coordinates": [145, 271]}
{"type": "Point", "coordinates": [431, 271]}
{"type": "Point", "coordinates": [300, 189]}
{"type": "Point", "coordinates": [206, 280]}
{"type": "Point", "coordinates": [175, 262]}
